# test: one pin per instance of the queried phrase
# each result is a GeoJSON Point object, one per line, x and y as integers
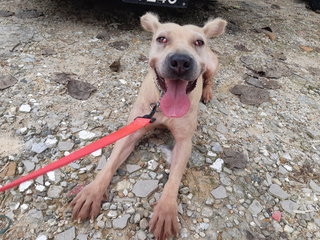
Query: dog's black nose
{"type": "Point", "coordinates": [180, 63]}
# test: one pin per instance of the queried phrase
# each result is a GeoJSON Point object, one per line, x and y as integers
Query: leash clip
{"type": "Point", "coordinates": [151, 114]}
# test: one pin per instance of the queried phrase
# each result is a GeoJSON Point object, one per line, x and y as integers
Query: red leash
{"type": "Point", "coordinates": [137, 124]}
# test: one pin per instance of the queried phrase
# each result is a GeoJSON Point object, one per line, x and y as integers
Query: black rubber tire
{"type": "Point", "coordinates": [314, 5]}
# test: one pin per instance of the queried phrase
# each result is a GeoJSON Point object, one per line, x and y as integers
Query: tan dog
{"type": "Point", "coordinates": [181, 70]}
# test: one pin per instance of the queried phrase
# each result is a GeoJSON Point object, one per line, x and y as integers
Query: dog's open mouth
{"type": "Point", "coordinates": [175, 101]}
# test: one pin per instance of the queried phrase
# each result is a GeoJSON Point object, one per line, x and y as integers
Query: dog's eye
{"type": "Point", "coordinates": [199, 43]}
{"type": "Point", "coordinates": [162, 39]}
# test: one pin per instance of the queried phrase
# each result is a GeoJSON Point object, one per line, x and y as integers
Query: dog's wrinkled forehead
{"type": "Point", "coordinates": [212, 28]}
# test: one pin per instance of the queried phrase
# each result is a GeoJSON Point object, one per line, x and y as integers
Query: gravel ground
{"type": "Point", "coordinates": [254, 171]}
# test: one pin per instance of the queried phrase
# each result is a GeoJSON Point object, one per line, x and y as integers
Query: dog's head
{"type": "Point", "coordinates": [178, 56]}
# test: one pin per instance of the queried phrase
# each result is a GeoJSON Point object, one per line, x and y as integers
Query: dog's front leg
{"type": "Point", "coordinates": [88, 202]}
{"type": "Point", "coordinates": [164, 220]}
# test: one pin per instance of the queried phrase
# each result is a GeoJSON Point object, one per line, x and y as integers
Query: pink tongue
{"type": "Point", "coordinates": [175, 102]}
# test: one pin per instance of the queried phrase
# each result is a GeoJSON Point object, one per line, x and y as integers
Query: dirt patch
{"type": "Point", "coordinates": [9, 145]}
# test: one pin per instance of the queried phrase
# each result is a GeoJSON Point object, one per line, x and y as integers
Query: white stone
{"type": "Point", "coordinates": [25, 185]}
{"type": "Point", "coordinates": [86, 135]}
{"type": "Point", "coordinates": [51, 175]}
{"type": "Point", "coordinates": [217, 165]}
{"type": "Point", "coordinates": [97, 153]}
{"type": "Point", "coordinates": [42, 237]}
{"type": "Point", "coordinates": [51, 142]}
{"type": "Point", "coordinates": [40, 188]}
{"type": "Point", "coordinates": [25, 108]}
{"type": "Point", "coordinates": [288, 229]}
{"type": "Point", "coordinates": [211, 154]}
{"type": "Point", "coordinates": [123, 81]}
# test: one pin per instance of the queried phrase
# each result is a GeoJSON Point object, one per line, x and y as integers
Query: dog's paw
{"type": "Point", "coordinates": [164, 221]}
{"type": "Point", "coordinates": [87, 203]}
{"type": "Point", "coordinates": [207, 94]}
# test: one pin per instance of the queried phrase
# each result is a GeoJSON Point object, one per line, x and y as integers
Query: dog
{"type": "Point", "coordinates": [181, 68]}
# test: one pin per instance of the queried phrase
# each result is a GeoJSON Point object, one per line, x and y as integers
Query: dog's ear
{"type": "Point", "coordinates": [214, 28]}
{"type": "Point", "coordinates": [150, 22]}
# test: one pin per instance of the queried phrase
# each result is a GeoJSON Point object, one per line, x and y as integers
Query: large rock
{"type": "Point", "coordinates": [144, 188]}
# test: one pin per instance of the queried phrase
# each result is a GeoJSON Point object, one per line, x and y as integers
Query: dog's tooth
{"type": "Point", "coordinates": [79, 220]}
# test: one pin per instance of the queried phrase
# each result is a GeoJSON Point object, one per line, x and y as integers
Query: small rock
{"type": "Point", "coordinates": [25, 185]}
{"type": "Point", "coordinates": [29, 165]}
{"type": "Point", "coordinates": [219, 192]}
{"type": "Point", "coordinates": [144, 188]}
{"type": "Point", "coordinates": [51, 142]}
{"type": "Point", "coordinates": [234, 159]}
{"type": "Point", "coordinates": [65, 146]}
{"type": "Point", "coordinates": [102, 163]}
{"type": "Point", "coordinates": [39, 147]}
{"type": "Point", "coordinates": [217, 165]}
{"type": "Point", "coordinates": [207, 212]}
{"type": "Point", "coordinates": [86, 135]}
{"type": "Point", "coordinates": [288, 229]}
{"type": "Point", "coordinates": [141, 235]}
{"type": "Point", "coordinates": [40, 188]}
{"type": "Point", "coordinates": [52, 176]}
{"type": "Point", "coordinates": [121, 222]}
{"type": "Point", "coordinates": [136, 218]}
{"type": "Point", "coordinates": [54, 191]}
{"type": "Point", "coordinates": [315, 187]}
{"type": "Point", "coordinates": [69, 234]}
{"type": "Point", "coordinates": [143, 224]}
{"type": "Point", "coordinates": [278, 192]}
{"type": "Point", "coordinates": [255, 208]}
{"type": "Point", "coordinates": [97, 153]}
{"type": "Point", "coordinates": [289, 206]}
{"type": "Point", "coordinates": [42, 237]}
{"type": "Point", "coordinates": [132, 168]}
{"type": "Point", "coordinates": [222, 128]}
{"type": "Point", "coordinates": [26, 108]}
{"type": "Point", "coordinates": [82, 236]}
{"type": "Point", "coordinates": [276, 216]}
{"type": "Point", "coordinates": [122, 185]}
{"type": "Point", "coordinates": [7, 80]}
{"type": "Point", "coordinates": [216, 147]}
{"type": "Point", "coordinates": [152, 165]}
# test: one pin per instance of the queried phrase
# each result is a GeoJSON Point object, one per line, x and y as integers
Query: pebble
{"type": "Point", "coordinates": [255, 207]}
{"type": "Point", "coordinates": [54, 191]}
{"type": "Point", "coordinates": [25, 185]}
{"type": "Point", "coordinates": [97, 153]}
{"type": "Point", "coordinates": [216, 147]}
{"type": "Point", "coordinates": [29, 165]}
{"type": "Point", "coordinates": [65, 145]}
{"type": "Point", "coordinates": [143, 224]}
{"type": "Point", "coordinates": [69, 234]}
{"type": "Point", "coordinates": [132, 168]}
{"type": "Point", "coordinates": [289, 206]}
{"type": "Point", "coordinates": [42, 237]}
{"type": "Point", "coordinates": [141, 235]}
{"type": "Point", "coordinates": [26, 108]}
{"type": "Point", "coordinates": [51, 142]}
{"type": "Point", "coordinates": [40, 188]}
{"type": "Point", "coordinates": [217, 165]}
{"type": "Point", "coordinates": [144, 188]}
{"type": "Point", "coordinates": [86, 135]}
{"type": "Point", "coordinates": [207, 212]}
{"type": "Point", "coordinates": [315, 187]}
{"type": "Point", "coordinates": [121, 222]}
{"type": "Point", "coordinates": [219, 192]}
{"type": "Point", "coordinates": [39, 147]}
{"type": "Point", "coordinates": [278, 192]}
{"type": "Point", "coordinates": [52, 176]}
{"type": "Point", "coordinates": [288, 229]}
{"type": "Point", "coordinates": [102, 163]}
